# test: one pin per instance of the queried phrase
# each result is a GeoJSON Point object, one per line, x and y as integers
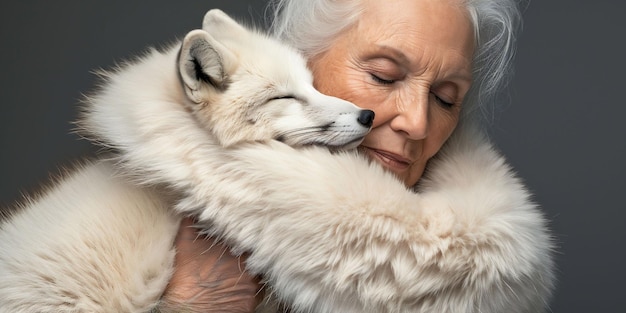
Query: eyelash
{"type": "Point", "coordinates": [391, 81]}
{"type": "Point", "coordinates": [442, 102]}
{"type": "Point", "coordinates": [382, 81]}
{"type": "Point", "coordinates": [284, 97]}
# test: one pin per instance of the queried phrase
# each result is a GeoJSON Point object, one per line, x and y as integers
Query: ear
{"type": "Point", "coordinates": [219, 24]}
{"type": "Point", "coordinates": [203, 64]}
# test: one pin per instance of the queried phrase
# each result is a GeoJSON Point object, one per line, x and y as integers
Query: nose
{"type": "Point", "coordinates": [366, 118]}
{"type": "Point", "coordinates": [413, 119]}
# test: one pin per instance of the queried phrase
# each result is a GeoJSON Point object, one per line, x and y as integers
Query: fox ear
{"type": "Point", "coordinates": [219, 24]}
{"type": "Point", "coordinates": [203, 65]}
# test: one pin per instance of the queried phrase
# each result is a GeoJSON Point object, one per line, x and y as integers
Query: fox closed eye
{"type": "Point", "coordinates": [284, 97]}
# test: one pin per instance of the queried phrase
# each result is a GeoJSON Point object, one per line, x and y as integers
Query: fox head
{"type": "Point", "coordinates": [244, 86]}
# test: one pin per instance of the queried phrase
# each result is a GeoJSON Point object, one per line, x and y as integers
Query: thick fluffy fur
{"type": "Point", "coordinates": [93, 243]}
{"type": "Point", "coordinates": [329, 231]}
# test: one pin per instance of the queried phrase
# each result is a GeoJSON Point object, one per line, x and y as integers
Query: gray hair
{"type": "Point", "coordinates": [311, 26]}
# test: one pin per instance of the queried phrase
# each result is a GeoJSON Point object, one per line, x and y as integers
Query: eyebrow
{"type": "Point", "coordinates": [398, 55]}
{"type": "Point", "coordinates": [401, 59]}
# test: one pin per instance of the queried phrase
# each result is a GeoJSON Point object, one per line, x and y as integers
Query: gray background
{"type": "Point", "coordinates": [562, 129]}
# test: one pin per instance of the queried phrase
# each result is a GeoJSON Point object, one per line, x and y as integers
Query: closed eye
{"type": "Point", "coordinates": [382, 81]}
{"type": "Point", "coordinates": [442, 102]}
{"type": "Point", "coordinates": [284, 97]}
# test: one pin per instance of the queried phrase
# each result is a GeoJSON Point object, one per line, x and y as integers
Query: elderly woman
{"type": "Point", "coordinates": [428, 68]}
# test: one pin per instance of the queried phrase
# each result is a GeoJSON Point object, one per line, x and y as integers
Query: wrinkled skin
{"type": "Point", "coordinates": [411, 64]}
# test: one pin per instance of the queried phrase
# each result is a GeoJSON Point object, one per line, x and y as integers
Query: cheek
{"type": "Point", "coordinates": [351, 87]}
{"type": "Point", "coordinates": [346, 82]}
{"type": "Point", "coordinates": [442, 127]}
{"type": "Point", "coordinates": [337, 83]}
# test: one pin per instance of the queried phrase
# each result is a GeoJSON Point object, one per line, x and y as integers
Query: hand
{"type": "Point", "coordinates": [207, 277]}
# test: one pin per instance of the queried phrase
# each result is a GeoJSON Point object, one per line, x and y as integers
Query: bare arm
{"type": "Point", "coordinates": [208, 278]}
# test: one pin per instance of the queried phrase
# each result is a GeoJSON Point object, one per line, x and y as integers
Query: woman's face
{"type": "Point", "coordinates": [409, 62]}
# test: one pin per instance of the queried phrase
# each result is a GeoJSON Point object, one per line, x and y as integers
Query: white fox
{"type": "Point", "coordinates": [231, 134]}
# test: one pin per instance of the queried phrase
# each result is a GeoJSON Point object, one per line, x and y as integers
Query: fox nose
{"type": "Point", "coordinates": [366, 118]}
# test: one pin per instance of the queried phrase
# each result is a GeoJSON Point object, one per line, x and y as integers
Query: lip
{"type": "Point", "coordinates": [389, 159]}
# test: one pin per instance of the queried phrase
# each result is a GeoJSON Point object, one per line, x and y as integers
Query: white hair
{"type": "Point", "coordinates": [312, 25]}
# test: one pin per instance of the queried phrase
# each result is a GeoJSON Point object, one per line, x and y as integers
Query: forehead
{"type": "Point", "coordinates": [445, 19]}
{"type": "Point", "coordinates": [414, 27]}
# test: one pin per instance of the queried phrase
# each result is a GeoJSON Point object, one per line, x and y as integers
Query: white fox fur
{"type": "Point", "coordinates": [328, 230]}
